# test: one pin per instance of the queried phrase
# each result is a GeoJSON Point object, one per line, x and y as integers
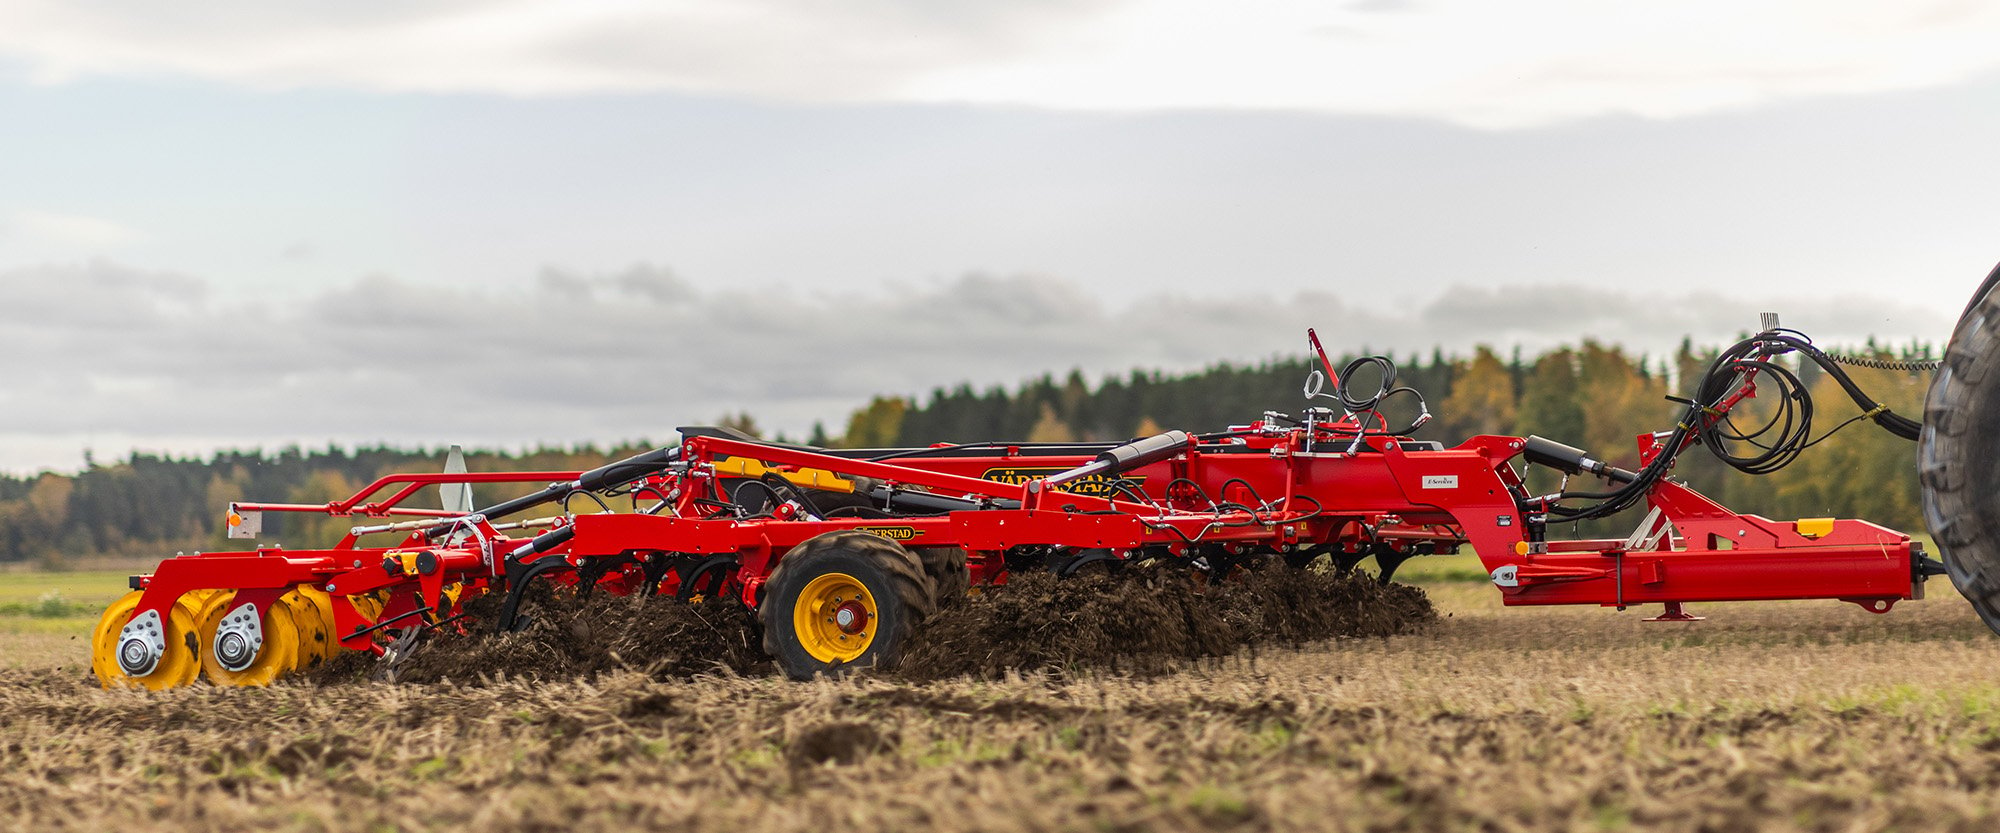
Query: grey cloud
{"type": "Point", "coordinates": [640, 281]}
{"type": "Point", "coordinates": [1541, 316]}
{"type": "Point", "coordinates": [98, 292]}
{"type": "Point", "coordinates": [602, 357]}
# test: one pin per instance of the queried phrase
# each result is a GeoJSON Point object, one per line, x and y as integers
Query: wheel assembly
{"type": "Point", "coordinates": [148, 650]}
{"type": "Point", "coordinates": [843, 600]}
{"type": "Point", "coordinates": [1959, 460]}
{"type": "Point", "coordinates": [243, 645]}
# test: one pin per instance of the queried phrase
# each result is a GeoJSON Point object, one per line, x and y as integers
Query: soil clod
{"type": "Point", "coordinates": [840, 743]}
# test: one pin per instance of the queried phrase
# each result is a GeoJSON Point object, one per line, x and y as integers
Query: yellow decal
{"type": "Point", "coordinates": [893, 533]}
{"type": "Point", "coordinates": [807, 478]}
{"type": "Point", "coordinates": [1096, 485]}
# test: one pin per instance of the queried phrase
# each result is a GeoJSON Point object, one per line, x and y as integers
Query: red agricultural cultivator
{"type": "Point", "coordinates": [842, 552]}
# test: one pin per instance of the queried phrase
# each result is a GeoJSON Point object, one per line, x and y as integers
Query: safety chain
{"type": "Point", "coordinates": [1924, 366]}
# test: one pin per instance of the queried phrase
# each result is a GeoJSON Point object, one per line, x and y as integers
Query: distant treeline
{"type": "Point", "coordinates": [1591, 396]}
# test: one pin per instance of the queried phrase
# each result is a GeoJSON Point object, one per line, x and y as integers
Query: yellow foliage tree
{"type": "Point", "coordinates": [1050, 428]}
{"type": "Point", "coordinates": [1482, 396]}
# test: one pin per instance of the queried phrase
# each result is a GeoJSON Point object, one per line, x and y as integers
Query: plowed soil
{"type": "Point", "coordinates": [1766, 717]}
{"type": "Point", "coordinates": [567, 638]}
{"type": "Point", "coordinates": [1151, 623]}
{"type": "Point", "coordinates": [1141, 622]}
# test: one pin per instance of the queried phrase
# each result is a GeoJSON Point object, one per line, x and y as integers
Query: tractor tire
{"type": "Point", "coordinates": [950, 578]}
{"type": "Point", "coordinates": [842, 601]}
{"type": "Point", "coordinates": [1959, 454]}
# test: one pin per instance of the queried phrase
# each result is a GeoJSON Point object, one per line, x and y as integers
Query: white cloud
{"type": "Point", "coordinates": [53, 227]}
{"type": "Point", "coordinates": [131, 358]}
{"type": "Point", "coordinates": [1472, 62]}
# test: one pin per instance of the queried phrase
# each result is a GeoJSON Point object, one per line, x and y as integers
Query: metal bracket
{"type": "Point", "coordinates": [244, 523]}
{"type": "Point", "coordinates": [239, 638]}
{"type": "Point", "coordinates": [1647, 535]}
{"type": "Point", "coordinates": [141, 644]}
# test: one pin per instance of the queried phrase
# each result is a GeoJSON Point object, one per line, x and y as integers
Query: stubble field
{"type": "Point", "coordinates": [1781, 716]}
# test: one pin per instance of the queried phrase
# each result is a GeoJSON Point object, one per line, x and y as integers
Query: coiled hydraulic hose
{"type": "Point", "coordinates": [1778, 441]}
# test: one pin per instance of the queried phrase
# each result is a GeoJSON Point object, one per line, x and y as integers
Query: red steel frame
{"type": "Point", "coordinates": [1309, 491]}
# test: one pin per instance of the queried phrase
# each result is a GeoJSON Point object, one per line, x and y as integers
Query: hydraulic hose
{"type": "Point", "coordinates": [1781, 439]}
{"type": "Point", "coordinates": [607, 476]}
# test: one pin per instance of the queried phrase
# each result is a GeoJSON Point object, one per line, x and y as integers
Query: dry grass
{"type": "Point", "coordinates": [1797, 716]}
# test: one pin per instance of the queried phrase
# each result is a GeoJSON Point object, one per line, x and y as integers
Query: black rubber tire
{"type": "Point", "coordinates": [950, 578]}
{"type": "Point", "coordinates": [894, 576]}
{"type": "Point", "coordinates": [1959, 455]}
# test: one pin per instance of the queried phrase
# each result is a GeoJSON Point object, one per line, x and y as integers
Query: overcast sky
{"type": "Point", "coordinates": [503, 223]}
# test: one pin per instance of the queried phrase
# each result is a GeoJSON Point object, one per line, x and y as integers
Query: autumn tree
{"type": "Point", "coordinates": [1482, 396]}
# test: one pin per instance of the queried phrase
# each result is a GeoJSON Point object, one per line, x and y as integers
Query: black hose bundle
{"type": "Point", "coordinates": [1361, 407]}
{"type": "Point", "coordinates": [1710, 419]}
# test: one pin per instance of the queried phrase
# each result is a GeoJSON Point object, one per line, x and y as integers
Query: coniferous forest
{"type": "Point", "coordinates": [1592, 396]}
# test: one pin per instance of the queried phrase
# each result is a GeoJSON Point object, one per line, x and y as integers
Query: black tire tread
{"type": "Point", "coordinates": [1959, 456]}
{"type": "Point", "coordinates": [949, 575]}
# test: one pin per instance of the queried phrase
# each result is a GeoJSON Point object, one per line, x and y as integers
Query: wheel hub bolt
{"type": "Point", "coordinates": [851, 617]}
{"type": "Point", "coordinates": [233, 650]}
{"type": "Point", "coordinates": [134, 655]}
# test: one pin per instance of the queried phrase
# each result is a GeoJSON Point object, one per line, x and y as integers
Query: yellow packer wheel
{"type": "Point", "coordinates": [369, 605]}
{"type": "Point", "coordinates": [203, 602]}
{"type": "Point", "coordinates": [177, 664]}
{"type": "Point", "coordinates": [317, 608]}
{"type": "Point", "coordinates": [261, 655]}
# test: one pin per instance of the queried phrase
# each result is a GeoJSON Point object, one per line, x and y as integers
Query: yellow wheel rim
{"type": "Point", "coordinates": [178, 666]}
{"type": "Point", "coordinates": [278, 656]}
{"type": "Point", "coordinates": [835, 618]}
